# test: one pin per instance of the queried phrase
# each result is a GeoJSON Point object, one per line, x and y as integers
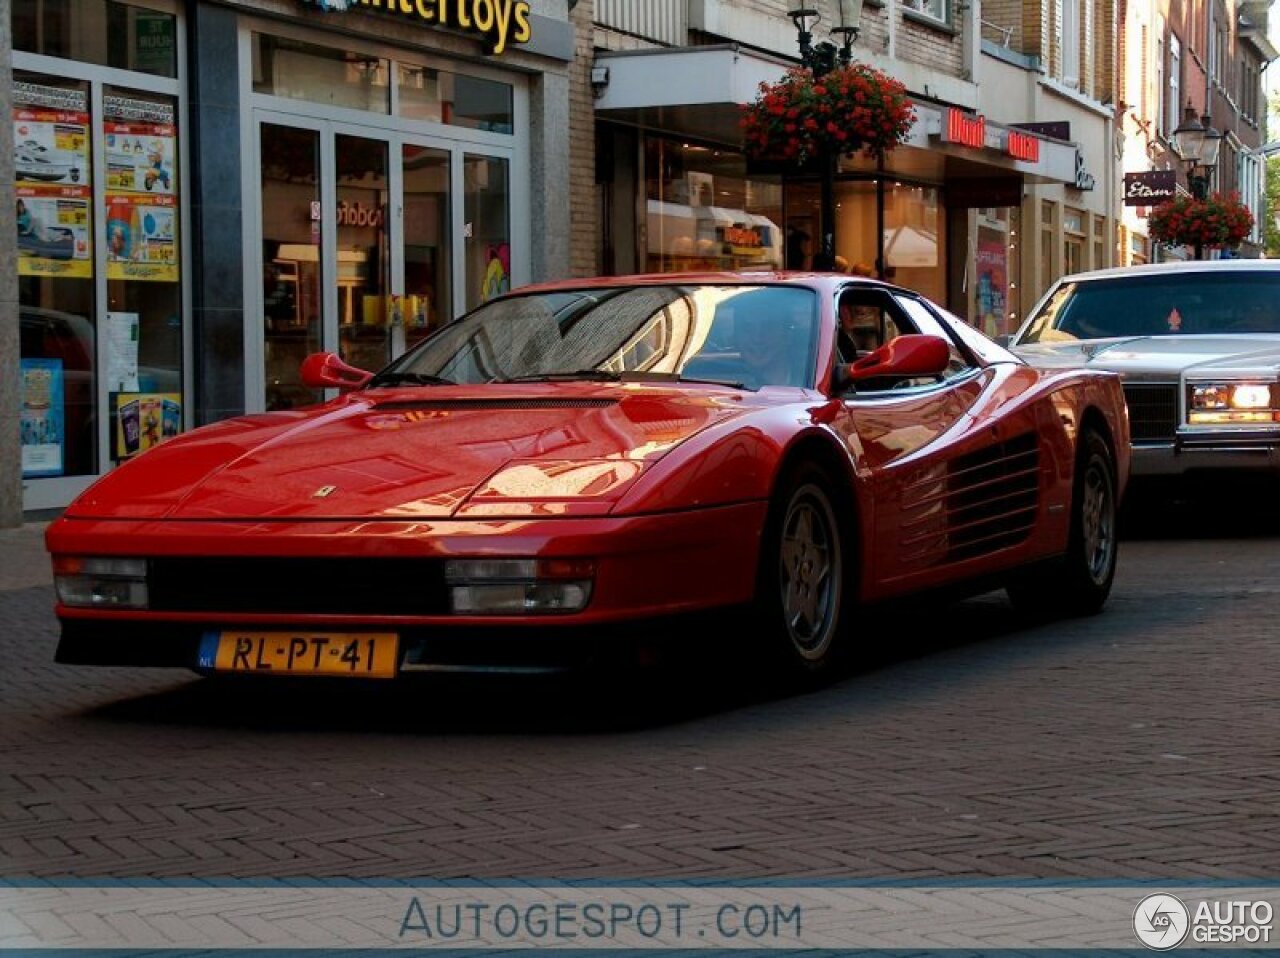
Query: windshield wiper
{"type": "Point", "coordinates": [593, 375]}
{"type": "Point", "coordinates": [408, 379]}
{"type": "Point", "coordinates": [715, 382]}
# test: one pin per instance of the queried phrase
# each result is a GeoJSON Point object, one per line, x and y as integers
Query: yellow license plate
{"type": "Point", "coordinates": [364, 655]}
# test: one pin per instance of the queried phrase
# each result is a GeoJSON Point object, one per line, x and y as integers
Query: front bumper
{"type": "Point", "coordinates": [1228, 450]}
{"type": "Point", "coordinates": [649, 569]}
{"type": "Point", "coordinates": [539, 649]}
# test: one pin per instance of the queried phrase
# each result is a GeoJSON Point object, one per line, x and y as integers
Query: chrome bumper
{"type": "Point", "coordinates": [1242, 450]}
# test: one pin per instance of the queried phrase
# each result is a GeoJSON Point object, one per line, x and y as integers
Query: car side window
{"type": "Point", "coordinates": [868, 320]}
{"type": "Point", "coordinates": [926, 322]}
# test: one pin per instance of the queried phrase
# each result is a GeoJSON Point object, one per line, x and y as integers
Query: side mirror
{"type": "Point", "coordinates": [327, 371]}
{"type": "Point", "coordinates": [1004, 339]}
{"type": "Point", "coordinates": [905, 357]}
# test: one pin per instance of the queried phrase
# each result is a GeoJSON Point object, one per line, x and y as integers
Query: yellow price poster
{"type": "Point", "coordinates": [142, 238]}
{"type": "Point", "coordinates": [53, 234]}
{"type": "Point", "coordinates": [144, 420]}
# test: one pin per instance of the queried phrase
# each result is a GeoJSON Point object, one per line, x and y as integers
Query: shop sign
{"type": "Point", "coordinates": [501, 22]}
{"type": "Point", "coordinates": [1150, 188]}
{"type": "Point", "coordinates": [965, 129]}
{"type": "Point", "coordinates": [742, 236]}
{"type": "Point", "coordinates": [1084, 179]}
{"type": "Point", "coordinates": [1022, 146]}
{"type": "Point", "coordinates": [153, 42]}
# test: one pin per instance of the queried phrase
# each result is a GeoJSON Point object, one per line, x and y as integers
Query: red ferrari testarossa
{"type": "Point", "coordinates": [575, 464]}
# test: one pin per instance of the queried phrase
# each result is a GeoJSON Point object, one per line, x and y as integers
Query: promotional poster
{"type": "Point", "coordinates": [42, 417]}
{"type": "Point", "coordinates": [144, 420]}
{"type": "Point", "coordinates": [52, 175]}
{"type": "Point", "coordinates": [142, 190]}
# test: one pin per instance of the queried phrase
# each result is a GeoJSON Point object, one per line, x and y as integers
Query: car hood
{"type": "Point", "coordinates": [406, 453]}
{"type": "Point", "coordinates": [1156, 355]}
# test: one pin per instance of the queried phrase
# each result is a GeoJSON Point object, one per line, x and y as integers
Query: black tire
{"type": "Point", "coordinates": [800, 587]}
{"type": "Point", "coordinates": [1078, 582]}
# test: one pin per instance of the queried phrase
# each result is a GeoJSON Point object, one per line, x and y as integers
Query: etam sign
{"type": "Point", "coordinates": [501, 22]}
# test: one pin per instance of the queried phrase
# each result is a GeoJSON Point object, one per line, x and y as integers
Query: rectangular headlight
{"type": "Point", "coordinates": [100, 583]}
{"type": "Point", "coordinates": [519, 586]}
{"type": "Point", "coordinates": [1233, 403]}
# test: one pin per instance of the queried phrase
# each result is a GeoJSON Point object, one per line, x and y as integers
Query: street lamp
{"type": "Point", "coordinates": [821, 59]}
{"type": "Point", "coordinates": [1197, 144]}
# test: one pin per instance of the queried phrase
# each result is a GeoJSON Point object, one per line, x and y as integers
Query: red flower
{"type": "Point", "coordinates": [1217, 221]}
{"type": "Point", "coordinates": [851, 108]}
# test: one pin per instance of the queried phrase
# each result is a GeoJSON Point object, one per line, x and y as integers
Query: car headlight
{"type": "Point", "coordinates": [519, 586]}
{"type": "Point", "coordinates": [100, 583]}
{"type": "Point", "coordinates": [1250, 403]}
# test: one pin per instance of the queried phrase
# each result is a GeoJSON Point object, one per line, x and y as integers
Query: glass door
{"type": "Point", "coordinates": [364, 304]}
{"type": "Point", "coordinates": [366, 238]}
{"type": "Point", "coordinates": [427, 251]}
{"type": "Point", "coordinates": [292, 260]}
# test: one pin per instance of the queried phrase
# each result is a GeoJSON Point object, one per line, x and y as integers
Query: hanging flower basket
{"type": "Point", "coordinates": [1186, 221]}
{"type": "Point", "coordinates": [854, 107]}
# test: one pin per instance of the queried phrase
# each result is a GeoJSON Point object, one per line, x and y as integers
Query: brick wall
{"type": "Point", "coordinates": [928, 46]}
{"type": "Point", "coordinates": [584, 207]}
{"type": "Point", "coordinates": [1006, 14]}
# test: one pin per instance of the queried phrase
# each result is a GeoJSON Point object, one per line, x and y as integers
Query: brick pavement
{"type": "Point", "coordinates": [1141, 743]}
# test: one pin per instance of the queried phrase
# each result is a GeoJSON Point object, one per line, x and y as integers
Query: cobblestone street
{"type": "Point", "coordinates": [1141, 743]}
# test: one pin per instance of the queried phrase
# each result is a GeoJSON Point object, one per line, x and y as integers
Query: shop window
{"type": "Point", "coordinates": [455, 98]}
{"type": "Point", "coordinates": [103, 32]}
{"type": "Point", "coordinates": [144, 302]}
{"type": "Point", "coordinates": [1139, 249]}
{"type": "Point", "coordinates": [1073, 241]}
{"type": "Point", "coordinates": [1048, 242]}
{"type": "Point", "coordinates": [914, 253]}
{"type": "Point", "coordinates": [487, 228]}
{"type": "Point", "coordinates": [58, 367]}
{"type": "Point", "coordinates": [703, 212]}
{"type": "Point", "coordinates": [428, 273]}
{"type": "Point", "coordinates": [306, 71]}
{"type": "Point", "coordinates": [1099, 242]}
{"type": "Point", "coordinates": [994, 306]}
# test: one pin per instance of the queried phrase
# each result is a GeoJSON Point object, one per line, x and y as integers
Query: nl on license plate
{"type": "Point", "coordinates": [366, 655]}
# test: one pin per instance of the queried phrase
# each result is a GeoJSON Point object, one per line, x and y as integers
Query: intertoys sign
{"type": "Point", "coordinates": [501, 22]}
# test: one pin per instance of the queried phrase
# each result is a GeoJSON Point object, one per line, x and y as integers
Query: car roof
{"type": "Point", "coordinates": [1178, 266]}
{"type": "Point", "coordinates": [808, 279]}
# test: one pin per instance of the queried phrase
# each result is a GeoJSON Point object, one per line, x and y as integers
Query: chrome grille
{"type": "Point", "coordinates": [1153, 411]}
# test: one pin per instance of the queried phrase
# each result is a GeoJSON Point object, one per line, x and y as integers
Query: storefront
{"type": "Point", "coordinates": [941, 214]}
{"type": "Point", "coordinates": [206, 193]}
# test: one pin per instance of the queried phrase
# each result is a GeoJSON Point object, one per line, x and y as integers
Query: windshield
{"type": "Point", "coordinates": [1171, 304]}
{"type": "Point", "coordinates": [751, 336]}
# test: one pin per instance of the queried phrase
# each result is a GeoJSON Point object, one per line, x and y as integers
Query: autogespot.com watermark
{"type": "Point", "coordinates": [561, 922]}
{"type": "Point", "coordinates": [290, 915]}
{"type": "Point", "coordinates": [1163, 922]}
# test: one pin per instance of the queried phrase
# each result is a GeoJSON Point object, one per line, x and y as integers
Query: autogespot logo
{"type": "Point", "coordinates": [1161, 922]}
